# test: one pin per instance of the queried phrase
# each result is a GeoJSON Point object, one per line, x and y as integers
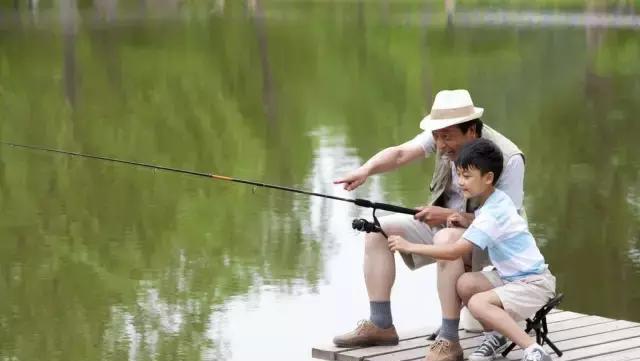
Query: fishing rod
{"type": "Point", "coordinates": [359, 224]}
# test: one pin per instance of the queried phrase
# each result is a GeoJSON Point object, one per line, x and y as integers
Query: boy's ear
{"type": "Point", "coordinates": [488, 178]}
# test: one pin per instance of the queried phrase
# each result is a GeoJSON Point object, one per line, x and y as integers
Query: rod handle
{"type": "Point", "coordinates": [384, 206]}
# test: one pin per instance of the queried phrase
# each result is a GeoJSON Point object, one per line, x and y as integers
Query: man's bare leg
{"type": "Point", "coordinates": [379, 267]}
{"type": "Point", "coordinates": [448, 274]}
{"type": "Point", "coordinates": [379, 275]}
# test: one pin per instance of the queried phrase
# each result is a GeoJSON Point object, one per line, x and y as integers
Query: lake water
{"type": "Point", "coordinates": [100, 261]}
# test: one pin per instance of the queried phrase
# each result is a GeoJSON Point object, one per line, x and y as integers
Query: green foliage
{"type": "Point", "coordinates": [96, 256]}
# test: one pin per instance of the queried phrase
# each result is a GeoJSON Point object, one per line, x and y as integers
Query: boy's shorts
{"type": "Point", "coordinates": [418, 232]}
{"type": "Point", "coordinates": [524, 297]}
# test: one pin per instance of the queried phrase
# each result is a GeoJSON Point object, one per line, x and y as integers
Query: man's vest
{"type": "Point", "coordinates": [442, 171]}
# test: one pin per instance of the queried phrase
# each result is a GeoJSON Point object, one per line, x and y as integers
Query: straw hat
{"type": "Point", "coordinates": [450, 107]}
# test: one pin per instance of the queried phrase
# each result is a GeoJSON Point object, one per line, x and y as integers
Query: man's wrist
{"type": "Point", "coordinates": [366, 168]}
{"type": "Point", "coordinates": [448, 212]}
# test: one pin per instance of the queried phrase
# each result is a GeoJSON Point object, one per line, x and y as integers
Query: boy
{"type": "Point", "coordinates": [521, 282]}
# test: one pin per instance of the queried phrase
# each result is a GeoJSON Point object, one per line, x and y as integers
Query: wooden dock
{"type": "Point", "coordinates": [578, 336]}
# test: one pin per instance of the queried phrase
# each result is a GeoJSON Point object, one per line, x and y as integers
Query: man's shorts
{"type": "Point", "coordinates": [418, 232]}
{"type": "Point", "coordinates": [524, 297]}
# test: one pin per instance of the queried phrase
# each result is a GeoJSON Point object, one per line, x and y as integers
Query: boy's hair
{"type": "Point", "coordinates": [483, 155]}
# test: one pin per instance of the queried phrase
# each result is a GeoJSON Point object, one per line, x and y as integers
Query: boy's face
{"type": "Point", "coordinates": [473, 183]}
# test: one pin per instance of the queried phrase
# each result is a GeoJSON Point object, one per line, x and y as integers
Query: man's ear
{"type": "Point", "coordinates": [472, 131]}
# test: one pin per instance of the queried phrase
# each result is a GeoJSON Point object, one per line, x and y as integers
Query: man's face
{"type": "Point", "coordinates": [449, 140]}
{"type": "Point", "coordinates": [472, 182]}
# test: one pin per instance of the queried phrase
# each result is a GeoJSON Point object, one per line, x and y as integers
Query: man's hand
{"type": "Point", "coordinates": [458, 220]}
{"type": "Point", "coordinates": [433, 216]}
{"type": "Point", "coordinates": [397, 243]}
{"type": "Point", "coordinates": [354, 179]}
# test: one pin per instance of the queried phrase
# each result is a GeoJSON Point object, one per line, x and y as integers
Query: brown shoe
{"type": "Point", "coordinates": [444, 350]}
{"type": "Point", "coordinates": [367, 334]}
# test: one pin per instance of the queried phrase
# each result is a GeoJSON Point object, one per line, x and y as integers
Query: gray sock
{"type": "Point", "coordinates": [449, 329]}
{"type": "Point", "coordinates": [381, 314]}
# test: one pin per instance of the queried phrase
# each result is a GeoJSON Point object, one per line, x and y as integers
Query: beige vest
{"type": "Point", "coordinates": [442, 171]}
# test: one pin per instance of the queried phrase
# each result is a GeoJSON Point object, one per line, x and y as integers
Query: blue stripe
{"type": "Point", "coordinates": [496, 207]}
{"type": "Point", "coordinates": [477, 237]}
{"type": "Point", "coordinates": [536, 269]}
{"type": "Point", "coordinates": [511, 247]}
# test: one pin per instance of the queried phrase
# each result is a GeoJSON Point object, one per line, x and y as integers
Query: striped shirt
{"type": "Point", "coordinates": [498, 228]}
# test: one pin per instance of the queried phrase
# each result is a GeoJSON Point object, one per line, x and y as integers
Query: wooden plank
{"type": "Point", "coordinates": [471, 343]}
{"type": "Point", "coordinates": [417, 339]}
{"type": "Point", "coordinates": [324, 352]}
{"type": "Point", "coordinates": [593, 329]}
{"type": "Point", "coordinates": [628, 355]}
{"type": "Point", "coordinates": [417, 353]}
{"type": "Point", "coordinates": [361, 354]}
{"type": "Point", "coordinates": [593, 345]}
{"type": "Point", "coordinates": [406, 345]}
{"type": "Point", "coordinates": [408, 348]}
{"type": "Point", "coordinates": [583, 326]}
{"type": "Point", "coordinates": [558, 331]}
{"type": "Point", "coordinates": [329, 352]}
{"type": "Point", "coordinates": [561, 316]}
{"type": "Point", "coordinates": [603, 349]}
{"type": "Point", "coordinates": [576, 323]}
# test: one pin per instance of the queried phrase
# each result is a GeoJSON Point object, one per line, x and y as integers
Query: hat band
{"type": "Point", "coordinates": [437, 114]}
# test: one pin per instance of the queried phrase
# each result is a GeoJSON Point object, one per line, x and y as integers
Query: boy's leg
{"type": "Point", "coordinates": [499, 308]}
{"type": "Point", "coordinates": [488, 309]}
{"type": "Point", "coordinates": [473, 283]}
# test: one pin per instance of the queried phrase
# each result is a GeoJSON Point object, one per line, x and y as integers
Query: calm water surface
{"type": "Point", "coordinates": [110, 262]}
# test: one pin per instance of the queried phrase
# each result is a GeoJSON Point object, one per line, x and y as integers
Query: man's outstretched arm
{"type": "Point", "coordinates": [386, 160]}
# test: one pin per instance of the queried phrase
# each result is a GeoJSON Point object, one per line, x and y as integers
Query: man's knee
{"type": "Point", "coordinates": [447, 236]}
{"type": "Point", "coordinates": [374, 241]}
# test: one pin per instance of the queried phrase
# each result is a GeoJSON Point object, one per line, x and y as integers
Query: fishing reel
{"type": "Point", "coordinates": [363, 225]}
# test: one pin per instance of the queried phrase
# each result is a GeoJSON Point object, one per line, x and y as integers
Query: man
{"type": "Point", "coordinates": [453, 122]}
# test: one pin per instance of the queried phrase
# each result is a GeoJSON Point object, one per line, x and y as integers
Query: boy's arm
{"type": "Point", "coordinates": [445, 252]}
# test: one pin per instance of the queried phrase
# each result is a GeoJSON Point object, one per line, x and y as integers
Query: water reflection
{"type": "Point", "coordinates": [314, 313]}
{"type": "Point", "coordinates": [109, 262]}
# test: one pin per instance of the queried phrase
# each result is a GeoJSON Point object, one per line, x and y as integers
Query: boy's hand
{"type": "Point", "coordinates": [457, 220]}
{"type": "Point", "coordinates": [397, 243]}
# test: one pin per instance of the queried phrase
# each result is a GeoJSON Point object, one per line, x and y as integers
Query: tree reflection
{"type": "Point", "coordinates": [109, 262]}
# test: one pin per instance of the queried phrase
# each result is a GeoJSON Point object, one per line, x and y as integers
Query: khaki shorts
{"type": "Point", "coordinates": [524, 297]}
{"type": "Point", "coordinates": [418, 232]}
